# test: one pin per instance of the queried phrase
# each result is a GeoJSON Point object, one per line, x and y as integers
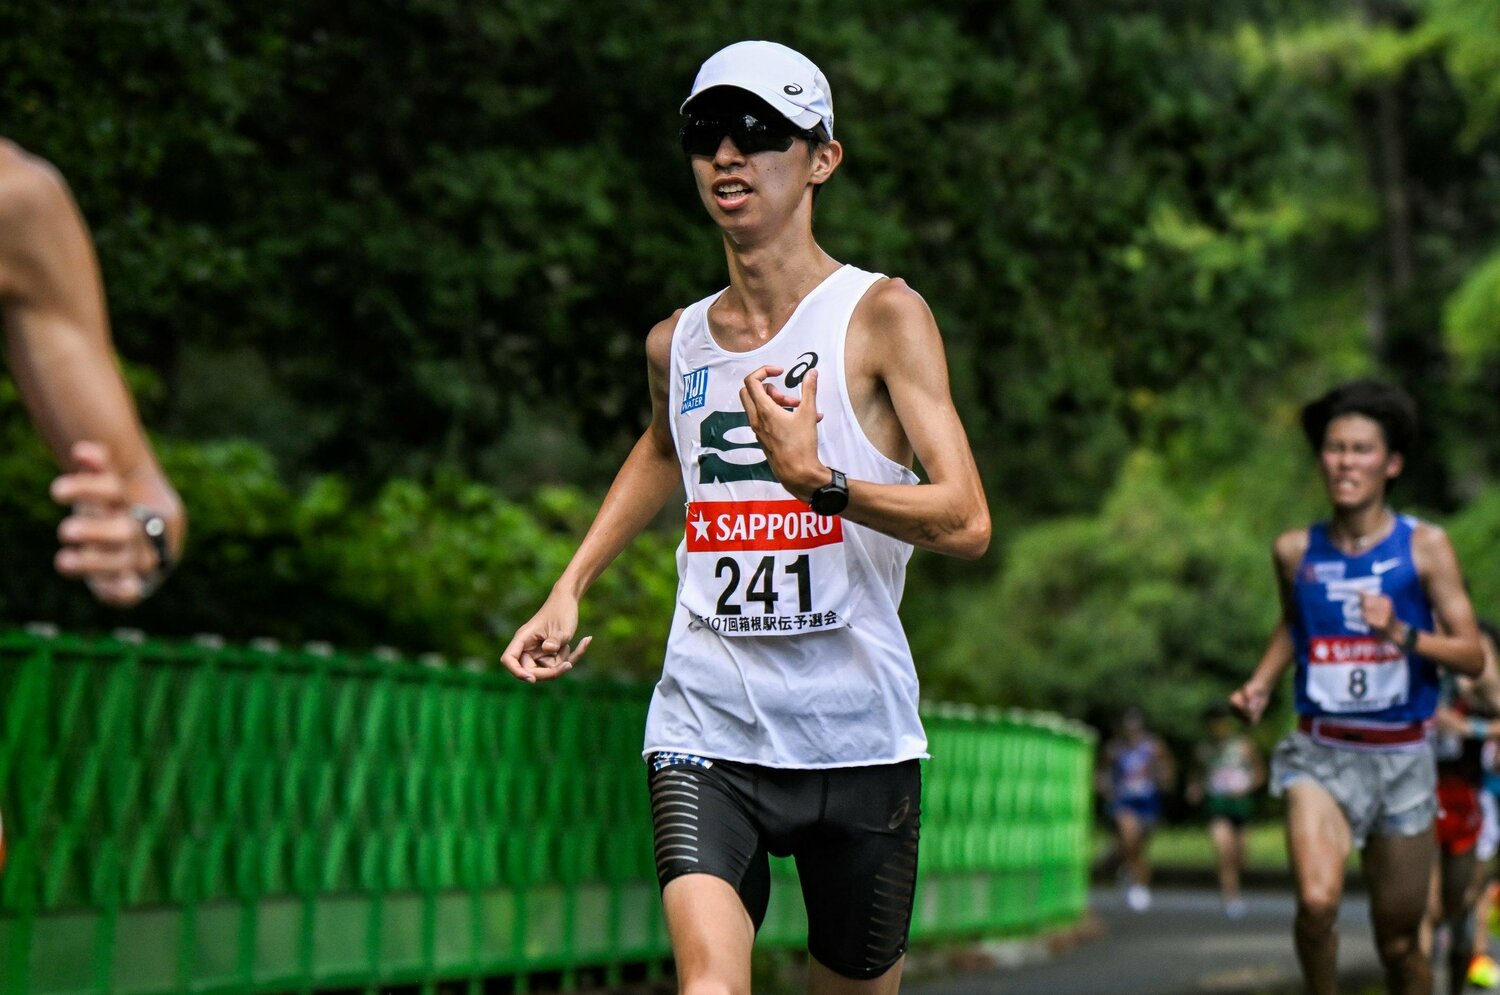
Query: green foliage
{"type": "Point", "coordinates": [461, 567]}
{"type": "Point", "coordinates": [1152, 602]}
{"type": "Point", "coordinates": [450, 202]}
{"type": "Point", "coordinates": [1476, 537]}
{"type": "Point", "coordinates": [453, 566]}
{"type": "Point", "coordinates": [1471, 319]}
{"type": "Point", "coordinates": [1471, 33]}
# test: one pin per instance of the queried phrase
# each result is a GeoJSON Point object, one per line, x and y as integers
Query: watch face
{"type": "Point", "coordinates": [830, 500]}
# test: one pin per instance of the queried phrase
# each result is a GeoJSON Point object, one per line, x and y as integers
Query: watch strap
{"type": "Point", "coordinates": [154, 526]}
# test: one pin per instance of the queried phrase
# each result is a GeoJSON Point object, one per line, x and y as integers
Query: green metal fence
{"type": "Point", "coordinates": [190, 818]}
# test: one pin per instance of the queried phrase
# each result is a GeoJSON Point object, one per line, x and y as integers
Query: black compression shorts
{"type": "Point", "coordinates": [852, 830]}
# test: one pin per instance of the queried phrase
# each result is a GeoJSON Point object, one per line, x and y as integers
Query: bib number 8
{"type": "Point", "coordinates": [762, 585]}
{"type": "Point", "coordinates": [1358, 683]}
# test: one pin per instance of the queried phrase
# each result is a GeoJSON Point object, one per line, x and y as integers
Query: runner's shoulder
{"type": "Point", "coordinates": [28, 184]}
{"type": "Point", "coordinates": [659, 340]}
{"type": "Point", "coordinates": [892, 303]}
{"type": "Point", "coordinates": [1430, 544]}
{"type": "Point", "coordinates": [1290, 547]}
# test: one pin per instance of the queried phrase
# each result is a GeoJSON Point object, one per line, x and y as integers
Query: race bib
{"type": "Point", "coordinates": [1229, 781]}
{"type": "Point", "coordinates": [765, 568]}
{"type": "Point", "coordinates": [1357, 674]}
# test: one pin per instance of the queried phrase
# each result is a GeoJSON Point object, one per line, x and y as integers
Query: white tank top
{"type": "Point", "coordinates": [786, 649]}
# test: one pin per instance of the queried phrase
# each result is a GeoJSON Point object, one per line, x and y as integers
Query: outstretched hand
{"type": "Point", "coordinates": [1250, 702]}
{"type": "Point", "coordinates": [541, 649]}
{"type": "Point", "coordinates": [786, 427]}
{"type": "Point", "coordinates": [102, 543]}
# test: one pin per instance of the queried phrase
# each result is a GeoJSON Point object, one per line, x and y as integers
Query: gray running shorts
{"type": "Point", "coordinates": [1381, 792]}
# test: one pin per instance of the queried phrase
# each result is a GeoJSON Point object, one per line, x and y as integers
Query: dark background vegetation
{"type": "Point", "coordinates": [381, 274]}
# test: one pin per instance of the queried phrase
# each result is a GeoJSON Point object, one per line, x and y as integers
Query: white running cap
{"type": "Point", "coordinates": [784, 78]}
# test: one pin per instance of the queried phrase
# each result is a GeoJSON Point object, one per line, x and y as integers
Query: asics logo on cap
{"type": "Point", "coordinates": [791, 89]}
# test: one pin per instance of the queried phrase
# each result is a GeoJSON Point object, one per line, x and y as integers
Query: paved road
{"type": "Point", "coordinates": [1184, 944]}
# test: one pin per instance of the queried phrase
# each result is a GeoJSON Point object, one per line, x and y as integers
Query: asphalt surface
{"type": "Point", "coordinates": [1182, 944]}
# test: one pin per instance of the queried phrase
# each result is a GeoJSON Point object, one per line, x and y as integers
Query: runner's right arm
{"type": "Point", "coordinates": [1251, 698]}
{"type": "Point", "coordinates": [542, 648]}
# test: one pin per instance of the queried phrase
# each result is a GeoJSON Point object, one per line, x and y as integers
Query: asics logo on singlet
{"type": "Point", "coordinates": [798, 373]}
{"type": "Point", "coordinates": [1350, 593]}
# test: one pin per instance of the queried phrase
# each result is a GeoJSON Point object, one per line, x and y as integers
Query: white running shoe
{"type": "Point", "coordinates": [1138, 898]}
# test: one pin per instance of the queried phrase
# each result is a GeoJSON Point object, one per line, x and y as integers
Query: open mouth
{"type": "Point", "coordinates": [730, 193]}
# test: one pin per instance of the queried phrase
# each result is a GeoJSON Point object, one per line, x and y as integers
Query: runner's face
{"type": "Point", "coordinates": [743, 192]}
{"type": "Point", "coordinates": [1356, 463]}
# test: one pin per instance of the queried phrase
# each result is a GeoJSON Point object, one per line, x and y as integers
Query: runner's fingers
{"type": "Point", "coordinates": [91, 457]}
{"type": "Point", "coordinates": [88, 561]}
{"type": "Point", "coordinates": [113, 531]}
{"type": "Point", "coordinates": [583, 646]}
{"type": "Point", "coordinates": [780, 398]}
{"type": "Point", "coordinates": [119, 589]}
{"type": "Point", "coordinates": [748, 402]}
{"type": "Point", "coordinates": [105, 489]}
{"type": "Point", "coordinates": [543, 668]}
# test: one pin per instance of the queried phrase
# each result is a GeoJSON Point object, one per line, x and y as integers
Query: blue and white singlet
{"type": "Point", "coordinates": [1345, 671]}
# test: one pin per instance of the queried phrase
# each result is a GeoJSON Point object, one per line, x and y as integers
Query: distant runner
{"type": "Point", "coordinates": [1228, 772]}
{"type": "Point", "coordinates": [1373, 605]}
{"type": "Point", "coordinates": [1137, 768]}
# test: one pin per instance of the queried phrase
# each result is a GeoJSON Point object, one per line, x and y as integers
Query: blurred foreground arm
{"type": "Point", "coordinates": [59, 350]}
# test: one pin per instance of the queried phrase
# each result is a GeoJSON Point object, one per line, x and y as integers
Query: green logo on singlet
{"type": "Point", "coordinates": [713, 433]}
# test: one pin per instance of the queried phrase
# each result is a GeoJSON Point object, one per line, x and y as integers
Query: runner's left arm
{"type": "Point", "coordinates": [58, 343]}
{"type": "Point", "coordinates": [1455, 642]}
{"type": "Point", "coordinates": [948, 514]}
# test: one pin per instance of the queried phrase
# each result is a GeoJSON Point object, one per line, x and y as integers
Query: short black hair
{"type": "Point", "coordinates": [1386, 404]}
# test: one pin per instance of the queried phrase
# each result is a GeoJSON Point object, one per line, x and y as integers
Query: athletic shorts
{"type": "Point", "coordinates": [852, 830]}
{"type": "Point", "coordinates": [1381, 792]}
{"type": "Point", "coordinates": [1147, 809]}
{"type": "Point", "coordinates": [1459, 818]}
{"type": "Point", "coordinates": [1237, 809]}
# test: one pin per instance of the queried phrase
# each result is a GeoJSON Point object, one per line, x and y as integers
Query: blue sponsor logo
{"type": "Point", "coordinates": [694, 389]}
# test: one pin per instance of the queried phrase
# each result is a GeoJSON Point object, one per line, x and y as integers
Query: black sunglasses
{"type": "Point", "coordinates": [750, 134]}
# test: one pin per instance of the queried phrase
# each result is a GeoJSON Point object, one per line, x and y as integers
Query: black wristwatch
{"type": "Point", "coordinates": [833, 497]}
{"type": "Point", "coordinates": [155, 528]}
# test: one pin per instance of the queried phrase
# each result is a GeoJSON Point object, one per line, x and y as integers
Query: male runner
{"type": "Point", "coordinates": [1136, 768]}
{"type": "Point", "coordinates": [1373, 604]}
{"type": "Point", "coordinates": [1228, 771]}
{"type": "Point", "coordinates": [127, 525]}
{"type": "Point", "coordinates": [790, 405]}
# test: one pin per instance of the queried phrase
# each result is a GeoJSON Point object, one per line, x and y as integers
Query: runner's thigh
{"type": "Point", "coordinates": [859, 867]}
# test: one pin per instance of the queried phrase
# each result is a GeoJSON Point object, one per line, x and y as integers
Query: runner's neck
{"type": "Point", "coordinates": [765, 287]}
{"type": "Point", "coordinates": [1361, 529]}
